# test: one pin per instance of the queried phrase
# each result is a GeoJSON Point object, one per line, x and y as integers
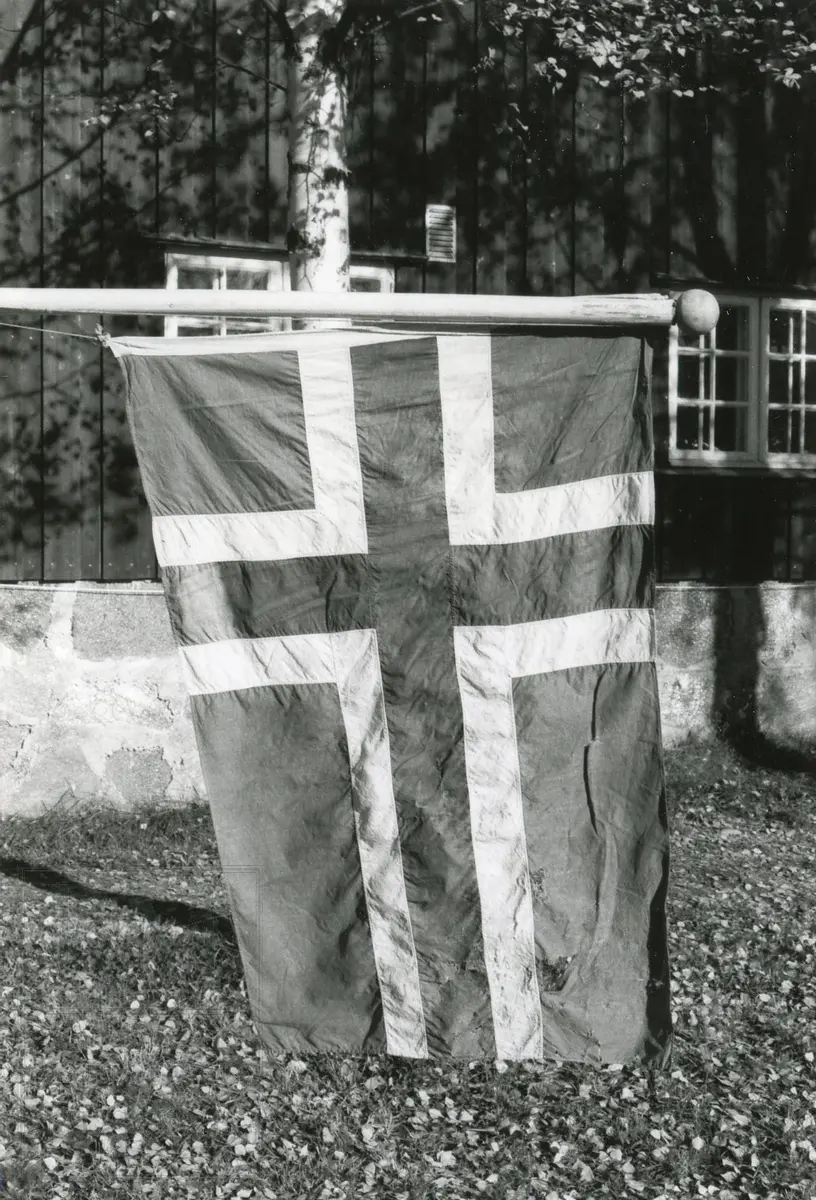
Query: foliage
{"type": "Point", "coordinates": [641, 45]}
{"type": "Point", "coordinates": [637, 45]}
{"type": "Point", "coordinates": [129, 1066]}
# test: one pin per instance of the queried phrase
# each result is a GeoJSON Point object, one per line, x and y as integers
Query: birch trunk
{"type": "Point", "coordinates": [318, 191]}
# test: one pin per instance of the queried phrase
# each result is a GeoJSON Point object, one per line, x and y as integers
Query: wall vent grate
{"type": "Point", "coordinates": [440, 233]}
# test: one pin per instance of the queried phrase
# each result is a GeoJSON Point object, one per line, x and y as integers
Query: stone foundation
{"type": "Point", "coordinates": [93, 708]}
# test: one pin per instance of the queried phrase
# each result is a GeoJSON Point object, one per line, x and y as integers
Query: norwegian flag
{"type": "Point", "coordinates": [410, 578]}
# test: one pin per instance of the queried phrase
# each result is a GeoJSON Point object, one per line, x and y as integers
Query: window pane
{"type": "Point", "coordinates": [810, 383]}
{"type": "Point", "coordinates": [247, 280]}
{"type": "Point", "coordinates": [198, 330]}
{"type": "Point", "coordinates": [196, 277]}
{"type": "Point", "coordinates": [778, 431]}
{"type": "Point", "coordinates": [780, 330]}
{"type": "Point", "coordinates": [810, 433]}
{"type": "Point", "coordinates": [688, 374]}
{"type": "Point", "coordinates": [733, 328]}
{"type": "Point", "coordinates": [250, 326]}
{"type": "Point", "coordinates": [729, 428]}
{"type": "Point", "coordinates": [796, 429]}
{"type": "Point", "coordinates": [687, 426]}
{"type": "Point", "coordinates": [778, 382]}
{"type": "Point", "coordinates": [364, 284]}
{"type": "Point", "coordinates": [732, 379]}
{"type": "Point", "coordinates": [810, 327]}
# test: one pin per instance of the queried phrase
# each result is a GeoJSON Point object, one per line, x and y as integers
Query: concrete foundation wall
{"type": "Point", "coordinates": [92, 704]}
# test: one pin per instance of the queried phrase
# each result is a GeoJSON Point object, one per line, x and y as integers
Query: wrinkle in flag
{"type": "Point", "coordinates": [411, 582]}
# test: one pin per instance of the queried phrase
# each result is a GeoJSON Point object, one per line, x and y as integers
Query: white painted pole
{"type": "Point", "coordinates": [400, 307]}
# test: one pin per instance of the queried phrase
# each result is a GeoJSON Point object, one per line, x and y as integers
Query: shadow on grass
{"type": "Point", "coordinates": [161, 912]}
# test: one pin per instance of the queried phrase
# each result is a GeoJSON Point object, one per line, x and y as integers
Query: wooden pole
{"type": "Point", "coordinates": [698, 308]}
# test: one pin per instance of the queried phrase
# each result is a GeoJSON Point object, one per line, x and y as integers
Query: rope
{"type": "Point", "coordinates": [98, 335]}
{"type": "Point", "coordinates": [104, 339]}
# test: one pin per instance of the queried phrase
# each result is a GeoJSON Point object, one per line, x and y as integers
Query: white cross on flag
{"type": "Point", "coordinates": [411, 582]}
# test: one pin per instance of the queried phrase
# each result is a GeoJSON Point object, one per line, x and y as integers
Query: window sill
{"type": "Point", "coordinates": [751, 470]}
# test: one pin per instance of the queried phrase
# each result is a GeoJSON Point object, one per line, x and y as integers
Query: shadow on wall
{"type": "Point", "coordinates": [740, 634]}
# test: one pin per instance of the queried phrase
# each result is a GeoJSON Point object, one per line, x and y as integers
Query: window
{"type": "Point", "coordinates": [271, 275]}
{"type": "Point", "coordinates": [745, 394]}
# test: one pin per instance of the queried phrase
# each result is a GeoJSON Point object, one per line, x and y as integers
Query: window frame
{"type": "Point", "coordinates": [756, 454]}
{"type": "Point", "coordinates": [276, 269]}
{"type": "Point", "coordinates": [783, 459]}
{"type": "Point", "coordinates": [719, 458]}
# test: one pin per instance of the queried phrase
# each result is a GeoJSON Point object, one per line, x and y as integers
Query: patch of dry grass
{"type": "Point", "coordinates": [130, 1066]}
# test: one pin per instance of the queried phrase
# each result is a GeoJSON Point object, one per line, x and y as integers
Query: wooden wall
{"type": "Point", "coordinates": [578, 192]}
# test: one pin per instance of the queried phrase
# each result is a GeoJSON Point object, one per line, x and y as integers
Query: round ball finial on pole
{"type": "Point", "coordinates": [696, 311]}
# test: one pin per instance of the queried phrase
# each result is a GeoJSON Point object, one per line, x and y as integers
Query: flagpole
{"type": "Point", "coordinates": [696, 310]}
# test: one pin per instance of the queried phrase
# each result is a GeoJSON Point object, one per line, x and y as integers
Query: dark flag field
{"type": "Point", "coordinates": [411, 582]}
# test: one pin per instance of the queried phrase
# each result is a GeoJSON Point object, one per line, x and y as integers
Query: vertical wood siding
{"type": "Point", "coordinates": [575, 192]}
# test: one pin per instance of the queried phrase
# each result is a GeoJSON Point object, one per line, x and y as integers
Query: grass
{"type": "Point", "coordinates": [129, 1066]}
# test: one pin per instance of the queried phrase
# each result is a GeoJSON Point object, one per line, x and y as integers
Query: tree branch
{"type": "Point", "coordinates": [278, 14]}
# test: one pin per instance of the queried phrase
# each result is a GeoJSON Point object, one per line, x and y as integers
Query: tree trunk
{"type": "Point", "coordinates": [318, 236]}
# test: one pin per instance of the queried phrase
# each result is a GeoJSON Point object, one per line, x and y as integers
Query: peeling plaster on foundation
{"type": "Point", "coordinates": [12, 741]}
{"type": "Point", "coordinates": [140, 774]}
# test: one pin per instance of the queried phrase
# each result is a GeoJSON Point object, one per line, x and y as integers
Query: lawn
{"type": "Point", "coordinates": [129, 1065]}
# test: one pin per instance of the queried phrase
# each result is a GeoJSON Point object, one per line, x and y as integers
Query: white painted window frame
{"type": "Point", "coordinates": [714, 458]}
{"type": "Point", "coordinates": [385, 276]}
{"type": "Point", "coordinates": [756, 452]}
{"type": "Point", "coordinates": [277, 279]}
{"type": "Point", "coordinates": [784, 304]}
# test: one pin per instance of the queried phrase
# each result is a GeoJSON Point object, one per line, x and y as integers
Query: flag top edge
{"type": "Point", "coordinates": [316, 340]}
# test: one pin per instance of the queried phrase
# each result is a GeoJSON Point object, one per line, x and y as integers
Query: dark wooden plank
{"type": "Point", "coordinates": [20, 349]}
{"type": "Point", "coordinates": [129, 212]}
{"type": "Point", "coordinates": [702, 185]}
{"type": "Point", "coordinates": [802, 541]}
{"type": "Point", "coordinates": [129, 188]}
{"type": "Point", "coordinates": [409, 279]}
{"type": "Point", "coordinates": [493, 202]}
{"type": "Point", "coordinates": [517, 154]}
{"type": "Point", "coordinates": [792, 194]}
{"type": "Point", "coordinates": [750, 106]}
{"type": "Point", "coordinates": [464, 145]}
{"type": "Point", "coordinates": [600, 224]}
{"type": "Point", "coordinates": [396, 183]}
{"type": "Point", "coordinates": [277, 142]}
{"type": "Point", "coordinates": [242, 193]}
{"type": "Point", "coordinates": [72, 257]}
{"type": "Point", "coordinates": [642, 185]}
{"type": "Point", "coordinates": [187, 141]}
{"type": "Point", "coordinates": [783, 116]}
{"type": "Point", "coordinates": [658, 160]}
{"type": "Point", "coordinates": [723, 122]}
{"type": "Point", "coordinates": [740, 517]}
{"type": "Point", "coordinates": [550, 178]}
{"type": "Point", "coordinates": [444, 131]}
{"type": "Point", "coordinates": [360, 143]}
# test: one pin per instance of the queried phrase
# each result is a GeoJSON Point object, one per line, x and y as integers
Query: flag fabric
{"type": "Point", "coordinates": [411, 582]}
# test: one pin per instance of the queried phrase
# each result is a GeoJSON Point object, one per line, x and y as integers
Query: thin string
{"type": "Point", "coordinates": [104, 339]}
{"type": "Point", "coordinates": [98, 336]}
